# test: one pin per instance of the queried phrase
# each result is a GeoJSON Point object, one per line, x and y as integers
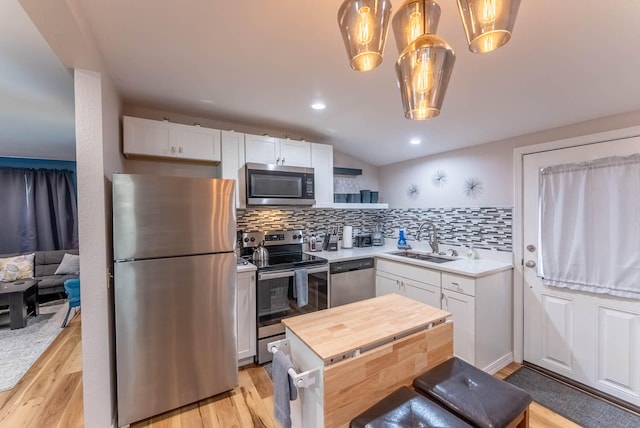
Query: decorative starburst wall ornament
{"type": "Point", "coordinates": [413, 191]}
{"type": "Point", "coordinates": [473, 188]}
{"type": "Point", "coordinates": [439, 179]}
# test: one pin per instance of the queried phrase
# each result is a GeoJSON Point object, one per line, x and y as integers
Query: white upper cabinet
{"type": "Point", "coordinates": [276, 151]}
{"type": "Point", "coordinates": [146, 137]}
{"type": "Point", "coordinates": [152, 138]}
{"type": "Point", "coordinates": [322, 163]}
{"type": "Point", "coordinates": [195, 142]}
{"type": "Point", "coordinates": [295, 153]}
{"type": "Point", "coordinates": [262, 149]}
{"type": "Point", "coordinates": [233, 164]}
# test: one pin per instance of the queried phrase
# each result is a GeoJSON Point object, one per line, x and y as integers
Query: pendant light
{"type": "Point", "coordinates": [488, 23]}
{"type": "Point", "coordinates": [425, 63]}
{"type": "Point", "coordinates": [424, 69]}
{"type": "Point", "coordinates": [413, 19]}
{"type": "Point", "coordinates": [364, 25]}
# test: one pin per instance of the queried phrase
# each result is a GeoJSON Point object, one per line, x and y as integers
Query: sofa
{"type": "Point", "coordinates": [45, 264]}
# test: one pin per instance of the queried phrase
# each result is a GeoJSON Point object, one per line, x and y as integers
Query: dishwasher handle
{"type": "Point", "coordinates": [351, 265]}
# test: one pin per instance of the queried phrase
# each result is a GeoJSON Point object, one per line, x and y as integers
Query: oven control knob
{"type": "Point", "coordinates": [246, 239]}
{"type": "Point", "coordinates": [253, 239]}
{"type": "Point", "coordinates": [295, 236]}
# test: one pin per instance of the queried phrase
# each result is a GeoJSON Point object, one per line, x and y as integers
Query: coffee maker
{"type": "Point", "coordinates": [377, 238]}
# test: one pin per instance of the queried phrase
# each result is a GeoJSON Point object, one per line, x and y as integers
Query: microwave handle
{"type": "Point", "coordinates": [289, 273]}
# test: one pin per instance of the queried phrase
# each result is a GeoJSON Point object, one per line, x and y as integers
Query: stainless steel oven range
{"type": "Point", "coordinates": [276, 297]}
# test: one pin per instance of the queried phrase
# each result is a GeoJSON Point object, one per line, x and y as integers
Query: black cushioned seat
{"type": "Point", "coordinates": [407, 409]}
{"type": "Point", "coordinates": [472, 394]}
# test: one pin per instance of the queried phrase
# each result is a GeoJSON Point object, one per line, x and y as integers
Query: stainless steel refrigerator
{"type": "Point", "coordinates": [175, 292]}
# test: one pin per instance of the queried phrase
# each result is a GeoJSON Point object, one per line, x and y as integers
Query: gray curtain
{"type": "Point", "coordinates": [38, 210]}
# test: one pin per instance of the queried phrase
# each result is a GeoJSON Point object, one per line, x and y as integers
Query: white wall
{"type": "Point", "coordinates": [369, 178]}
{"type": "Point", "coordinates": [97, 154]}
{"type": "Point", "coordinates": [491, 163]}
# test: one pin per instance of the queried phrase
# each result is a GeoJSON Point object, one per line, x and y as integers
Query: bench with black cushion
{"type": "Point", "coordinates": [474, 395]}
{"type": "Point", "coordinates": [405, 408]}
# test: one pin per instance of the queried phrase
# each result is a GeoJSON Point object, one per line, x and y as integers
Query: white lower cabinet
{"type": "Point", "coordinates": [246, 317]}
{"type": "Point", "coordinates": [416, 283]}
{"type": "Point", "coordinates": [481, 308]}
{"type": "Point", "coordinates": [462, 309]}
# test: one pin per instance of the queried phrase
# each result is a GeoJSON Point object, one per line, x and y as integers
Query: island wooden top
{"type": "Point", "coordinates": [343, 329]}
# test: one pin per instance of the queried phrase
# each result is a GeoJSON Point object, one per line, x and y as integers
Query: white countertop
{"type": "Point", "coordinates": [462, 266]}
{"type": "Point", "coordinates": [245, 268]}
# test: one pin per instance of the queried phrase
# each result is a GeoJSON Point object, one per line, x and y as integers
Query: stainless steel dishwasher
{"type": "Point", "coordinates": [351, 281]}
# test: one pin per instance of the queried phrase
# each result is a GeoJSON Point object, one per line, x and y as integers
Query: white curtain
{"type": "Point", "coordinates": [589, 231]}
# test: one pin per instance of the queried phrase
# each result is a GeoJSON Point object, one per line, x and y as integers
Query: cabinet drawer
{"type": "Point", "coordinates": [461, 284]}
{"type": "Point", "coordinates": [409, 271]}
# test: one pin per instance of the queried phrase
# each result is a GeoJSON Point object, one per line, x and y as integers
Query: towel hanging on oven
{"type": "Point", "coordinates": [301, 287]}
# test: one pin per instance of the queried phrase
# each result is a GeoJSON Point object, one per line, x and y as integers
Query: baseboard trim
{"type": "Point", "coordinates": [499, 364]}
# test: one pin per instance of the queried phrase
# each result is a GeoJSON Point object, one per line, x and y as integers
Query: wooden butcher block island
{"type": "Point", "coordinates": [357, 354]}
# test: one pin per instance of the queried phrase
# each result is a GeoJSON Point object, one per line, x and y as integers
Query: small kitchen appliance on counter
{"type": "Point", "coordinates": [363, 241]}
{"type": "Point", "coordinates": [377, 238]}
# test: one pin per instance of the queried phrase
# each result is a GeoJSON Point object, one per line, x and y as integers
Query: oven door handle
{"type": "Point", "coordinates": [289, 273]}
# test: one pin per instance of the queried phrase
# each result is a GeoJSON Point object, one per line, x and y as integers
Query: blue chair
{"type": "Point", "coordinates": [72, 288]}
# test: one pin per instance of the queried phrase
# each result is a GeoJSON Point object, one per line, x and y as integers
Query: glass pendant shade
{"type": "Point", "coordinates": [423, 70]}
{"type": "Point", "coordinates": [413, 19]}
{"type": "Point", "coordinates": [364, 25]}
{"type": "Point", "coordinates": [488, 23]}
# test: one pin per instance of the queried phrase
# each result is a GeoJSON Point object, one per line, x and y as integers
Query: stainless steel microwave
{"type": "Point", "coordinates": [279, 185]}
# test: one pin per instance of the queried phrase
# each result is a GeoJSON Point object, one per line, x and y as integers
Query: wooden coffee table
{"type": "Point", "coordinates": [22, 298]}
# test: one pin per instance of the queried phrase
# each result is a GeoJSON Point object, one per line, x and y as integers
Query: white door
{"type": "Point", "coordinates": [295, 153]}
{"type": "Point", "coordinates": [424, 293]}
{"type": "Point", "coordinates": [262, 149]}
{"type": "Point", "coordinates": [463, 312]}
{"type": "Point", "coordinates": [386, 284]}
{"type": "Point", "coordinates": [195, 142]}
{"type": "Point", "coordinates": [593, 339]}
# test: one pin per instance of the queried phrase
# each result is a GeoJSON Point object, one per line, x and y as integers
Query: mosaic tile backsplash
{"type": "Point", "coordinates": [486, 228]}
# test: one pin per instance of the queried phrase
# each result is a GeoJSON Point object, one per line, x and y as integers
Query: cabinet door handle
{"type": "Point", "coordinates": [173, 149]}
{"type": "Point", "coordinates": [179, 149]}
{"type": "Point", "coordinates": [282, 161]}
{"type": "Point", "coordinates": [277, 161]}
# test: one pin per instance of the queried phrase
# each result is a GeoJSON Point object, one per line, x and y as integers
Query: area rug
{"type": "Point", "coordinates": [20, 348]}
{"type": "Point", "coordinates": [575, 405]}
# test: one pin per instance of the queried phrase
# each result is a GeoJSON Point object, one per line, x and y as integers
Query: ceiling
{"type": "Point", "coordinates": [36, 92]}
{"type": "Point", "coordinates": [262, 63]}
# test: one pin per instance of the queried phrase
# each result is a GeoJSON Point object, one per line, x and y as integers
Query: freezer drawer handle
{"type": "Point", "coordinates": [301, 380]}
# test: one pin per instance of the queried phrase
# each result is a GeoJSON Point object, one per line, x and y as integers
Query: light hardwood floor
{"type": "Point", "coordinates": [50, 395]}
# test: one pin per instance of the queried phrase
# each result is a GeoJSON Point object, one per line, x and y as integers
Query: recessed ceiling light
{"type": "Point", "coordinates": [318, 106]}
{"type": "Point", "coordinates": [415, 141]}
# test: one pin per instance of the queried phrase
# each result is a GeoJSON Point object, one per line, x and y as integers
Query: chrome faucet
{"type": "Point", "coordinates": [433, 235]}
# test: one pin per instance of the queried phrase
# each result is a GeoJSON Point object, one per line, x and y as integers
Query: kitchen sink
{"type": "Point", "coordinates": [422, 256]}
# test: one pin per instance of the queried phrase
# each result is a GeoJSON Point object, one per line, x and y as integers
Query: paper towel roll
{"type": "Point", "coordinates": [347, 237]}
